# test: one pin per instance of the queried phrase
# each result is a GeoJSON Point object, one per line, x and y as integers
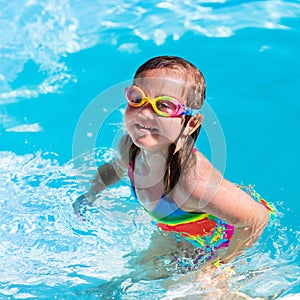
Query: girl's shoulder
{"type": "Point", "coordinates": [200, 162]}
{"type": "Point", "coordinates": [196, 184]}
{"type": "Point", "coordinates": [200, 173]}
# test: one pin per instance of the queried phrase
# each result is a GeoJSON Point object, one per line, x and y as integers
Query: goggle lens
{"type": "Point", "coordinates": [134, 96]}
{"type": "Point", "coordinates": [163, 105]}
{"type": "Point", "coordinates": [167, 106]}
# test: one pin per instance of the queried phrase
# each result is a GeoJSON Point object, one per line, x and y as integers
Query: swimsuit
{"type": "Point", "coordinates": [200, 229]}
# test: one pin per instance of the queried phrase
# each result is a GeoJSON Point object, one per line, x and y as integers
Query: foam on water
{"type": "Point", "coordinates": [42, 241]}
{"type": "Point", "coordinates": [46, 250]}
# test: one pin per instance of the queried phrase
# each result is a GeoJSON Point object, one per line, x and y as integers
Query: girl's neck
{"type": "Point", "coordinates": [154, 158]}
{"type": "Point", "coordinates": [149, 169]}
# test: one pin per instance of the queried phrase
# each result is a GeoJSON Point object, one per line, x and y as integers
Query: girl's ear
{"type": "Point", "coordinates": [193, 124]}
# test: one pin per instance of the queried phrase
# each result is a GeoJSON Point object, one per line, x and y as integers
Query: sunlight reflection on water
{"type": "Point", "coordinates": [44, 245]}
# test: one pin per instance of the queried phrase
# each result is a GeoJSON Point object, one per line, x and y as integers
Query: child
{"type": "Point", "coordinates": [171, 179]}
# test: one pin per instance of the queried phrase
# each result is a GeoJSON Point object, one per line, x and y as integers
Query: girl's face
{"type": "Point", "coordinates": [148, 130]}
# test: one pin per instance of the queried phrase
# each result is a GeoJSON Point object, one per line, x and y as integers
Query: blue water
{"type": "Point", "coordinates": [59, 63]}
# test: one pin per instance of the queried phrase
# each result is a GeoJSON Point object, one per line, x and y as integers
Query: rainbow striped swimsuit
{"type": "Point", "coordinates": [200, 229]}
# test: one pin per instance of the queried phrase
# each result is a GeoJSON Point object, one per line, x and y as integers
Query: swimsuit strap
{"type": "Point", "coordinates": [166, 211]}
{"type": "Point", "coordinates": [130, 172]}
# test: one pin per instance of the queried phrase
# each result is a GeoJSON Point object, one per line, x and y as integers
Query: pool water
{"type": "Point", "coordinates": [63, 65]}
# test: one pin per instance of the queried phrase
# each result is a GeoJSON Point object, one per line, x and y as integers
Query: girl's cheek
{"type": "Point", "coordinates": [130, 111]}
{"type": "Point", "coordinates": [129, 117]}
{"type": "Point", "coordinates": [174, 125]}
{"type": "Point", "coordinates": [127, 113]}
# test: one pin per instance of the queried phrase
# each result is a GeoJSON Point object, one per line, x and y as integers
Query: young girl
{"type": "Point", "coordinates": [170, 178]}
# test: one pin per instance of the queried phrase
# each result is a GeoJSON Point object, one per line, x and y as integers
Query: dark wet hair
{"type": "Point", "coordinates": [192, 76]}
{"type": "Point", "coordinates": [196, 88]}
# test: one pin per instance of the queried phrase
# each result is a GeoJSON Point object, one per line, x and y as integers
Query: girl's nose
{"type": "Point", "coordinates": [147, 110]}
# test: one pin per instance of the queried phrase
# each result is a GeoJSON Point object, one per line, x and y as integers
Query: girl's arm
{"type": "Point", "coordinates": [213, 194]}
{"type": "Point", "coordinates": [237, 208]}
{"type": "Point", "coordinates": [107, 175]}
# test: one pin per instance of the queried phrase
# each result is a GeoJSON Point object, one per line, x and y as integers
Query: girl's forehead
{"type": "Point", "coordinates": [161, 82]}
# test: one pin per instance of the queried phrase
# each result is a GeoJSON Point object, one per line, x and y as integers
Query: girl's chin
{"type": "Point", "coordinates": [149, 142]}
{"type": "Point", "coordinates": [145, 142]}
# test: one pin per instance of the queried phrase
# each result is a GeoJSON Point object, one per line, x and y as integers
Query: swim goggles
{"type": "Point", "coordinates": [164, 106]}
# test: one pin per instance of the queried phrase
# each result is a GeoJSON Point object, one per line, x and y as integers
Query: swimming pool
{"type": "Point", "coordinates": [61, 59]}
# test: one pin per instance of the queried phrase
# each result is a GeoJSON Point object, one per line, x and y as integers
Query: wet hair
{"type": "Point", "coordinates": [192, 76]}
{"type": "Point", "coordinates": [195, 88]}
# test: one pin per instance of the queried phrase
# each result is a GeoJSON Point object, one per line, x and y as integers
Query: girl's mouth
{"type": "Point", "coordinates": [146, 128]}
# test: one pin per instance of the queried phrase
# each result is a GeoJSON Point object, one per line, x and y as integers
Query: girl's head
{"type": "Point", "coordinates": [181, 70]}
{"type": "Point", "coordinates": [165, 77]}
{"type": "Point", "coordinates": [177, 78]}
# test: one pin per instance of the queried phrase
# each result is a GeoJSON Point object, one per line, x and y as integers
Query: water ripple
{"type": "Point", "coordinates": [42, 241]}
{"type": "Point", "coordinates": [46, 250]}
{"type": "Point", "coordinates": [44, 32]}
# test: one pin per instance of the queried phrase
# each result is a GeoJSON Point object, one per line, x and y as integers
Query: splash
{"type": "Point", "coordinates": [47, 252]}
{"type": "Point", "coordinates": [43, 244]}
